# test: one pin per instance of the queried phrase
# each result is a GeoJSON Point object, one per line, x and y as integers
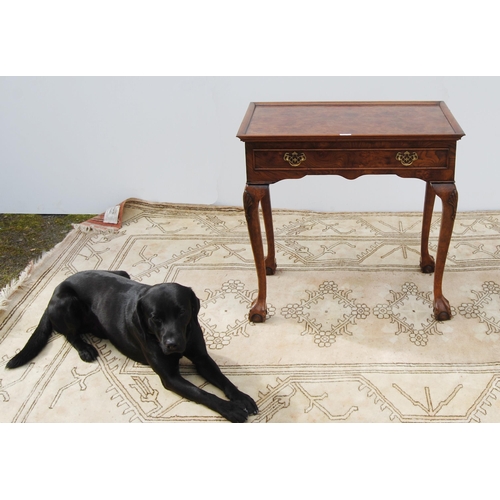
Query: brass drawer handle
{"type": "Point", "coordinates": [295, 159]}
{"type": "Point", "coordinates": [407, 158]}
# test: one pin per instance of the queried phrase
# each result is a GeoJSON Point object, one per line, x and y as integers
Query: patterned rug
{"type": "Point", "coordinates": [350, 335]}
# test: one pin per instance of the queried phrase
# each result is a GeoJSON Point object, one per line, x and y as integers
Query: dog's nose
{"type": "Point", "coordinates": [172, 347]}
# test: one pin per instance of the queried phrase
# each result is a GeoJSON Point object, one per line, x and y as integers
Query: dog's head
{"type": "Point", "coordinates": [167, 312]}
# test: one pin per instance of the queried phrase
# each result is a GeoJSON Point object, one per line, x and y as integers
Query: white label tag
{"type": "Point", "coordinates": [111, 215]}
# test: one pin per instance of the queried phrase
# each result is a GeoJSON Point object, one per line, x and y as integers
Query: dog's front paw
{"type": "Point", "coordinates": [234, 411]}
{"type": "Point", "coordinates": [88, 353]}
{"type": "Point", "coordinates": [249, 403]}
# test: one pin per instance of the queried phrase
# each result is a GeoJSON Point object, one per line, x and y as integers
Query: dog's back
{"type": "Point", "coordinates": [67, 314]}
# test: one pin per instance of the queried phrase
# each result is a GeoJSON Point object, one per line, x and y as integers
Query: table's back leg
{"type": "Point", "coordinates": [268, 223]}
{"type": "Point", "coordinates": [427, 263]}
{"type": "Point", "coordinates": [252, 197]}
{"type": "Point", "coordinates": [449, 196]}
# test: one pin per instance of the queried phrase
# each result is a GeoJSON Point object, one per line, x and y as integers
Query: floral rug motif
{"type": "Point", "coordinates": [349, 336]}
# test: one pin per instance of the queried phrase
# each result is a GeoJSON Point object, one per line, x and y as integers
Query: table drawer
{"type": "Point", "coordinates": [328, 159]}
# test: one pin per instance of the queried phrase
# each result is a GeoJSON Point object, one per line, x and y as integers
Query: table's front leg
{"type": "Point", "coordinates": [449, 197]}
{"type": "Point", "coordinates": [254, 195]}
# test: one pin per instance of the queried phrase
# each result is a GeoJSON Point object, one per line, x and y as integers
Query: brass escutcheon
{"type": "Point", "coordinates": [295, 159]}
{"type": "Point", "coordinates": [407, 158]}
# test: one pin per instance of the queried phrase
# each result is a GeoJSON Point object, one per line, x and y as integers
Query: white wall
{"type": "Point", "coordinates": [83, 144]}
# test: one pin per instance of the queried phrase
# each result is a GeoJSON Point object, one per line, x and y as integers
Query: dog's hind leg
{"type": "Point", "coordinates": [68, 316]}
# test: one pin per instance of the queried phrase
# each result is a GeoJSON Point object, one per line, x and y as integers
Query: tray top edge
{"type": "Point", "coordinates": [317, 120]}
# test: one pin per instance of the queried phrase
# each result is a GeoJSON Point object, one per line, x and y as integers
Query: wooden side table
{"type": "Point", "coordinates": [292, 140]}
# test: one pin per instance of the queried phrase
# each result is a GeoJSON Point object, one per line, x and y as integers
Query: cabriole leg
{"type": "Point", "coordinates": [252, 197]}
{"type": "Point", "coordinates": [427, 264]}
{"type": "Point", "coordinates": [449, 197]}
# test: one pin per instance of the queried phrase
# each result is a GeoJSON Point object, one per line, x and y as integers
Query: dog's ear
{"type": "Point", "coordinates": [195, 305]}
{"type": "Point", "coordinates": [141, 315]}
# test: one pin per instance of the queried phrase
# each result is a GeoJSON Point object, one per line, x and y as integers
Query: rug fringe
{"type": "Point", "coordinates": [86, 228]}
{"type": "Point", "coordinates": [23, 279]}
{"type": "Point", "coordinates": [16, 284]}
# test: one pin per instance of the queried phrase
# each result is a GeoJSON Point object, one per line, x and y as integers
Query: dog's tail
{"type": "Point", "coordinates": [35, 343]}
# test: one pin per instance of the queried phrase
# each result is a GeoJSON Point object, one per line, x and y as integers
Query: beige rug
{"type": "Point", "coordinates": [350, 335]}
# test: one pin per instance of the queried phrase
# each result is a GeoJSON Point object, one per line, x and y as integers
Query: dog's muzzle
{"type": "Point", "coordinates": [171, 347]}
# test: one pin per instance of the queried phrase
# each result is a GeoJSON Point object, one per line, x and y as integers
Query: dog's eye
{"type": "Point", "coordinates": [156, 320]}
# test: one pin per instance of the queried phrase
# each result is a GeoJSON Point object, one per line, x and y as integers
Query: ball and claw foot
{"type": "Point", "coordinates": [428, 266]}
{"type": "Point", "coordinates": [257, 313]}
{"type": "Point", "coordinates": [270, 267]}
{"type": "Point", "coordinates": [442, 309]}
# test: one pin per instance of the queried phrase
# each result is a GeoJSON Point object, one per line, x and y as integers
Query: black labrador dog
{"type": "Point", "coordinates": [153, 325]}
